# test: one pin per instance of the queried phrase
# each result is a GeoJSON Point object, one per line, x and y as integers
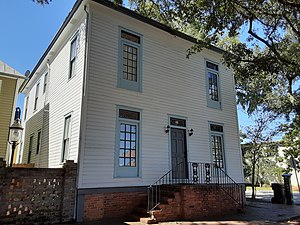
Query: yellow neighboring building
{"type": "Point", "coordinates": [10, 82]}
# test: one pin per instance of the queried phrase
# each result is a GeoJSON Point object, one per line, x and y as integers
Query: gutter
{"type": "Point", "coordinates": [13, 75]}
{"type": "Point", "coordinates": [57, 35]}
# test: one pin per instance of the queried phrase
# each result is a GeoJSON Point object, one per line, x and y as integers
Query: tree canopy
{"type": "Point", "coordinates": [266, 64]}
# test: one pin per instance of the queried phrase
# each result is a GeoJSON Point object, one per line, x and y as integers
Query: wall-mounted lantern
{"type": "Point", "coordinates": [15, 134]}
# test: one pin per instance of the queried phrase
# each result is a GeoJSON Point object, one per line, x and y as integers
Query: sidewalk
{"type": "Point", "coordinates": [256, 213]}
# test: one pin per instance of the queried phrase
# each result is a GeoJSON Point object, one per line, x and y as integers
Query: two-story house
{"type": "Point", "coordinates": [115, 92]}
{"type": "Point", "coordinates": [10, 82]}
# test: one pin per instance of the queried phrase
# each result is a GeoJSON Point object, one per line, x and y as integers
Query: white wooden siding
{"type": "Point", "coordinates": [171, 84]}
{"type": "Point", "coordinates": [62, 96]}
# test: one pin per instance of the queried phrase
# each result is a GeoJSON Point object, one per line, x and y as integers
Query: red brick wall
{"type": "Point", "coordinates": [37, 195]}
{"type": "Point", "coordinates": [196, 202]}
{"type": "Point", "coordinates": [109, 205]}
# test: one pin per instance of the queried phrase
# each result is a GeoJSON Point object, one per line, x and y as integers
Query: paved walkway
{"type": "Point", "coordinates": [256, 213]}
{"type": "Point", "coordinates": [266, 196]}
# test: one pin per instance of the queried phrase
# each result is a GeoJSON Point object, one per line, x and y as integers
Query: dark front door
{"type": "Point", "coordinates": [179, 153]}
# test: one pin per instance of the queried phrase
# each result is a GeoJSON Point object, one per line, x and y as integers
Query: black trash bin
{"type": "Point", "coordinates": [278, 193]}
{"type": "Point", "coordinates": [288, 188]}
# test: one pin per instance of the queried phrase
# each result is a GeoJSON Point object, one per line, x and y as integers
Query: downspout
{"type": "Point", "coordinates": [79, 198]}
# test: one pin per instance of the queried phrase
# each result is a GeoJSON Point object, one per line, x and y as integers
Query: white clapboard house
{"type": "Point", "coordinates": [115, 92]}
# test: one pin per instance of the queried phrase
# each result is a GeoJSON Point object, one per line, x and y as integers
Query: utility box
{"type": "Point", "coordinates": [288, 188]}
{"type": "Point", "coordinates": [278, 194]}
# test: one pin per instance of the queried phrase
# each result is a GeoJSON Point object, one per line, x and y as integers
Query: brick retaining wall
{"type": "Point", "coordinates": [37, 195]}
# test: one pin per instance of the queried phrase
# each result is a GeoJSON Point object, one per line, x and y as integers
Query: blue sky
{"type": "Point", "coordinates": [27, 29]}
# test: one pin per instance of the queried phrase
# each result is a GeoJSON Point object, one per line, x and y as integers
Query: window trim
{"type": "Point", "coordinates": [223, 142]}
{"type": "Point", "coordinates": [36, 97]}
{"type": "Point", "coordinates": [65, 154]}
{"type": "Point", "coordinates": [126, 84]}
{"type": "Point", "coordinates": [117, 168]}
{"type": "Point", "coordinates": [75, 38]}
{"type": "Point", "coordinates": [211, 103]}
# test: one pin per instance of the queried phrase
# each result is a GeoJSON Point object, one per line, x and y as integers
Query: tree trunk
{"type": "Point", "coordinates": [253, 177]}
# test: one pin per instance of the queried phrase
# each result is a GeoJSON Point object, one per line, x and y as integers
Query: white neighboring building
{"type": "Point", "coordinates": [109, 86]}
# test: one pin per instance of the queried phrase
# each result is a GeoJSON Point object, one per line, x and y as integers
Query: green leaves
{"type": "Point", "coordinates": [266, 65]}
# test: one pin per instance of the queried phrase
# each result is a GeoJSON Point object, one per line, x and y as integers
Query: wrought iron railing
{"type": "Point", "coordinates": [192, 173]}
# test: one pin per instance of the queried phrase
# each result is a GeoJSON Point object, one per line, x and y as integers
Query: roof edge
{"type": "Point", "coordinates": [156, 24]}
{"type": "Point", "coordinates": [57, 35]}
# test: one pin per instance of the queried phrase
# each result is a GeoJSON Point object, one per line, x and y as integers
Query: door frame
{"type": "Point", "coordinates": [169, 138]}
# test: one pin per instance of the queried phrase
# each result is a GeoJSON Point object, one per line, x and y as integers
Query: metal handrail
{"type": "Point", "coordinates": [192, 173]}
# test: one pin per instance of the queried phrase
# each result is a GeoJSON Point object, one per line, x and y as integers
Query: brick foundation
{"type": "Point", "coordinates": [111, 205]}
{"type": "Point", "coordinates": [196, 202]}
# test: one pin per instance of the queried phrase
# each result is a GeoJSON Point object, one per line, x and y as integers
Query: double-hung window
{"type": "Point", "coordinates": [213, 85]}
{"type": "Point", "coordinates": [130, 60]}
{"type": "Point", "coordinates": [66, 139]}
{"type": "Point", "coordinates": [73, 56]}
{"type": "Point", "coordinates": [217, 144]}
{"type": "Point", "coordinates": [127, 143]}
{"type": "Point", "coordinates": [36, 95]}
{"type": "Point", "coordinates": [45, 82]}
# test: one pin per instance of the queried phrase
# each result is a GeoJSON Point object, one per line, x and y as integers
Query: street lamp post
{"type": "Point", "coordinates": [15, 133]}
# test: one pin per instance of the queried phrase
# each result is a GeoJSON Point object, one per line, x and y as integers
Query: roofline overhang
{"type": "Point", "coordinates": [125, 11]}
{"type": "Point", "coordinates": [14, 76]}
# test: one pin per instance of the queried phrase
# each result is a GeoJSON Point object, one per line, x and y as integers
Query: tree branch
{"type": "Point", "coordinates": [289, 3]}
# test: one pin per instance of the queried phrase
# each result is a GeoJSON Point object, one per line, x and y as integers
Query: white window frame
{"type": "Point", "coordinates": [73, 58]}
{"type": "Point", "coordinates": [210, 102]}
{"type": "Point", "coordinates": [45, 82]}
{"type": "Point", "coordinates": [66, 150]}
{"type": "Point", "coordinates": [36, 98]}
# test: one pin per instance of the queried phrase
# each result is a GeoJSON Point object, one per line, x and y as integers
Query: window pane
{"type": "Point", "coordinates": [130, 62]}
{"type": "Point", "coordinates": [132, 162]}
{"type": "Point", "coordinates": [127, 162]}
{"type": "Point", "coordinates": [213, 86]}
{"type": "Point", "coordinates": [128, 114]}
{"type": "Point", "coordinates": [127, 150]}
{"type": "Point", "coordinates": [122, 128]}
{"type": "Point", "coordinates": [214, 127]}
{"type": "Point", "coordinates": [130, 37]}
{"type": "Point", "coordinates": [121, 161]}
{"type": "Point", "coordinates": [73, 48]}
{"type": "Point", "coordinates": [217, 150]}
{"type": "Point", "coordinates": [177, 122]}
{"type": "Point", "coordinates": [212, 66]}
{"type": "Point", "coordinates": [122, 144]}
